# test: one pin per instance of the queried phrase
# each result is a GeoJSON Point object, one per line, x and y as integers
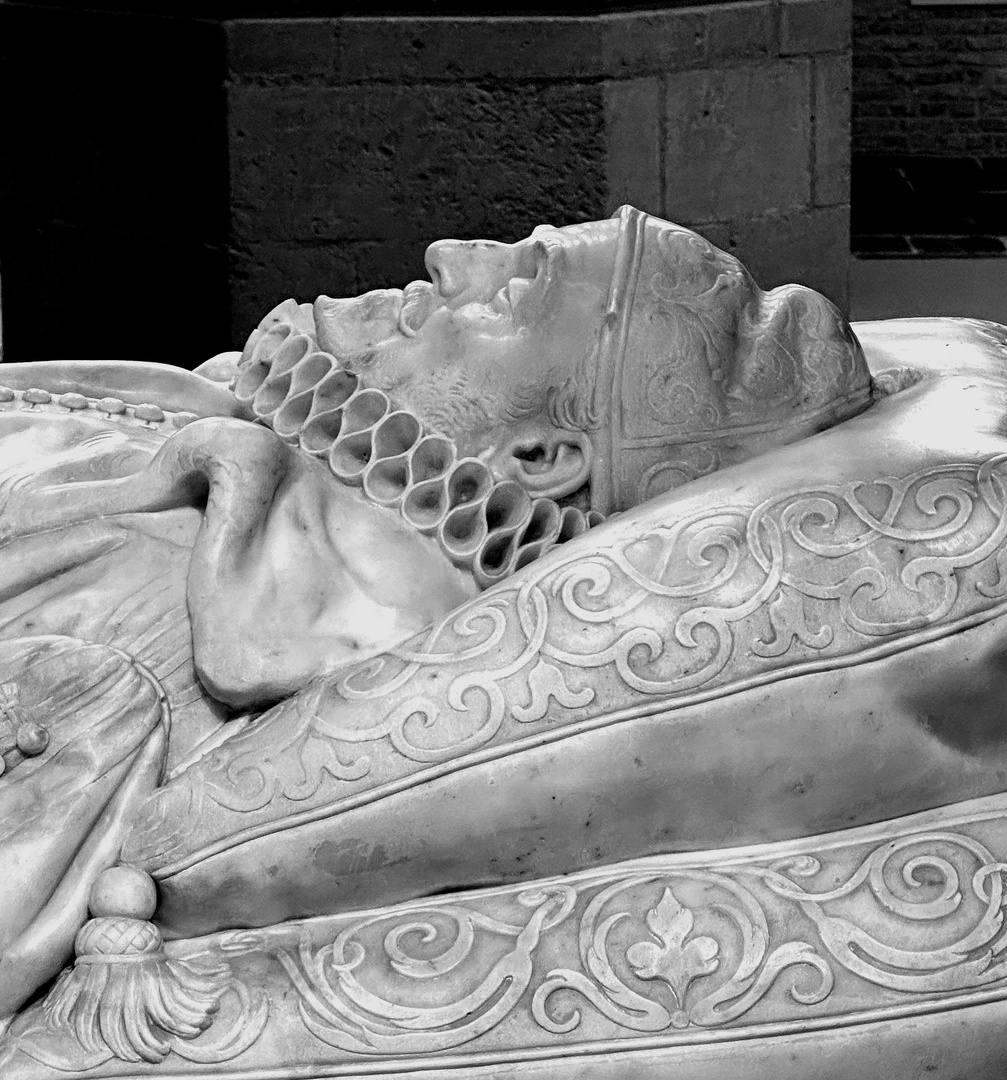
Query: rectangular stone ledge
{"type": "Point", "coordinates": [294, 50]}
{"type": "Point", "coordinates": [815, 26]}
{"type": "Point", "coordinates": [534, 47]}
{"type": "Point", "coordinates": [742, 31]}
{"type": "Point", "coordinates": [420, 49]}
{"type": "Point", "coordinates": [653, 42]}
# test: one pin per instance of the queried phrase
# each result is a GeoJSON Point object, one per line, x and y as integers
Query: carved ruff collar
{"type": "Point", "coordinates": [487, 526]}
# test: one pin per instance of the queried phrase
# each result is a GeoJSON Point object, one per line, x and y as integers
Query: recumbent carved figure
{"type": "Point", "coordinates": [584, 550]}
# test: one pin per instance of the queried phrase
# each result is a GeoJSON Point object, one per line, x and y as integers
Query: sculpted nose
{"type": "Point", "coordinates": [440, 261]}
{"type": "Point", "coordinates": [470, 269]}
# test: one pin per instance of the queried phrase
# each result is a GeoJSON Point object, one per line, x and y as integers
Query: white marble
{"type": "Point", "coordinates": [660, 613]}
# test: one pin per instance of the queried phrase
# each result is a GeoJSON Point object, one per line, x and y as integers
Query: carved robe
{"type": "Point", "coordinates": [788, 646]}
{"type": "Point", "coordinates": [115, 626]}
{"type": "Point", "coordinates": [805, 642]}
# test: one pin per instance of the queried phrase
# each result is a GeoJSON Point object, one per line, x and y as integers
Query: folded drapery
{"type": "Point", "coordinates": [64, 811]}
{"type": "Point", "coordinates": [158, 565]}
{"type": "Point", "coordinates": [681, 673]}
{"type": "Point", "coordinates": [805, 642]}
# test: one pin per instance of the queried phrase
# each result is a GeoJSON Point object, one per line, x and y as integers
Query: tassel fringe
{"type": "Point", "coordinates": [124, 995]}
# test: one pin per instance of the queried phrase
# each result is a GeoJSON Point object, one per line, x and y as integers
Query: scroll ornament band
{"type": "Point", "coordinates": [885, 921]}
{"type": "Point", "coordinates": [647, 950]}
{"type": "Point", "coordinates": [711, 601]}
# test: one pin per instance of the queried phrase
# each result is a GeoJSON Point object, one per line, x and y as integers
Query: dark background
{"type": "Point", "coordinates": [113, 186]}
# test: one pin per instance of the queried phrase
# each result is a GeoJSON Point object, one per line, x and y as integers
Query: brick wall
{"type": "Point", "coordinates": [929, 81]}
{"type": "Point", "coordinates": [355, 142]}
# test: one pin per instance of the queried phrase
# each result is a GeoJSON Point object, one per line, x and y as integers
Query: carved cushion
{"type": "Point", "coordinates": [812, 638]}
{"type": "Point", "coordinates": [783, 647]}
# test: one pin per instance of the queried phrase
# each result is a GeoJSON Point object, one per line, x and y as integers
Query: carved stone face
{"type": "Point", "coordinates": [630, 353]}
{"type": "Point", "coordinates": [494, 321]}
{"type": "Point", "coordinates": [474, 351]}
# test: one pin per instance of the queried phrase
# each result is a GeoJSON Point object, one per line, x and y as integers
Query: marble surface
{"type": "Point", "coordinates": [581, 661]}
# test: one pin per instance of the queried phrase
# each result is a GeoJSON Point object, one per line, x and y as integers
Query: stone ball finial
{"type": "Point", "coordinates": [32, 738]}
{"type": "Point", "coordinates": [123, 891]}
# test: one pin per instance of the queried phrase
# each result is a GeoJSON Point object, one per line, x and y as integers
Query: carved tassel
{"type": "Point", "coordinates": [124, 995]}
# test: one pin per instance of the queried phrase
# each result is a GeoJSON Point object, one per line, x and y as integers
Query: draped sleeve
{"type": "Point", "coordinates": [64, 812]}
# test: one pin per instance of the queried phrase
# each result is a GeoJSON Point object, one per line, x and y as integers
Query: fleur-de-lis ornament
{"type": "Point", "coordinates": [671, 958]}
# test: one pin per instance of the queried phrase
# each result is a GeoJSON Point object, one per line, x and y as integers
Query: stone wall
{"type": "Point", "coordinates": [354, 142]}
{"type": "Point", "coordinates": [171, 176]}
{"type": "Point", "coordinates": [929, 81]}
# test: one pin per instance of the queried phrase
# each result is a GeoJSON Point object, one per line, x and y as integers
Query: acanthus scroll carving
{"type": "Point", "coordinates": [339, 1009]}
{"type": "Point", "coordinates": [702, 604]}
{"type": "Point", "coordinates": [663, 950]}
{"type": "Point", "coordinates": [657, 948]}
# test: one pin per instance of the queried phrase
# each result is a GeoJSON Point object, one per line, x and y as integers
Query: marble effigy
{"type": "Point", "coordinates": [582, 663]}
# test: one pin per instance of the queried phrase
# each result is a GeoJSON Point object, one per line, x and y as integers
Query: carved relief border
{"type": "Point", "coordinates": [894, 919]}
{"type": "Point", "coordinates": [654, 949]}
{"type": "Point", "coordinates": [709, 603]}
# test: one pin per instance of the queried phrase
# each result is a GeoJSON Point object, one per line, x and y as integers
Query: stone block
{"type": "Point", "coordinates": [619, 45]}
{"type": "Point", "coordinates": [741, 31]}
{"type": "Point", "coordinates": [288, 50]}
{"type": "Point", "coordinates": [814, 26]}
{"type": "Point", "coordinates": [810, 247]}
{"type": "Point", "coordinates": [738, 141]}
{"type": "Point", "coordinates": [633, 143]}
{"type": "Point", "coordinates": [385, 162]}
{"type": "Point", "coordinates": [388, 133]}
{"type": "Point", "coordinates": [424, 49]}
{"type": "Point", "coordinates": [831, 119]}
{"type": "Point", "coordinates": [649, 42]}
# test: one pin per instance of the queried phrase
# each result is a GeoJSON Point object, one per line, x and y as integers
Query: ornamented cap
{"type": "Point", "coordinates": [697, 368]}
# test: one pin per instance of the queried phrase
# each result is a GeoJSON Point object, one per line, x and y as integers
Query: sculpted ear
{"type": "Point", "coordinates": [550, 464]}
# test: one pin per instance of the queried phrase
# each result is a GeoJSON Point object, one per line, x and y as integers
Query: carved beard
{"type": "Point", "coordinates": [487, 526]}
{"type": "Point", "coordinates": [446, 400]}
